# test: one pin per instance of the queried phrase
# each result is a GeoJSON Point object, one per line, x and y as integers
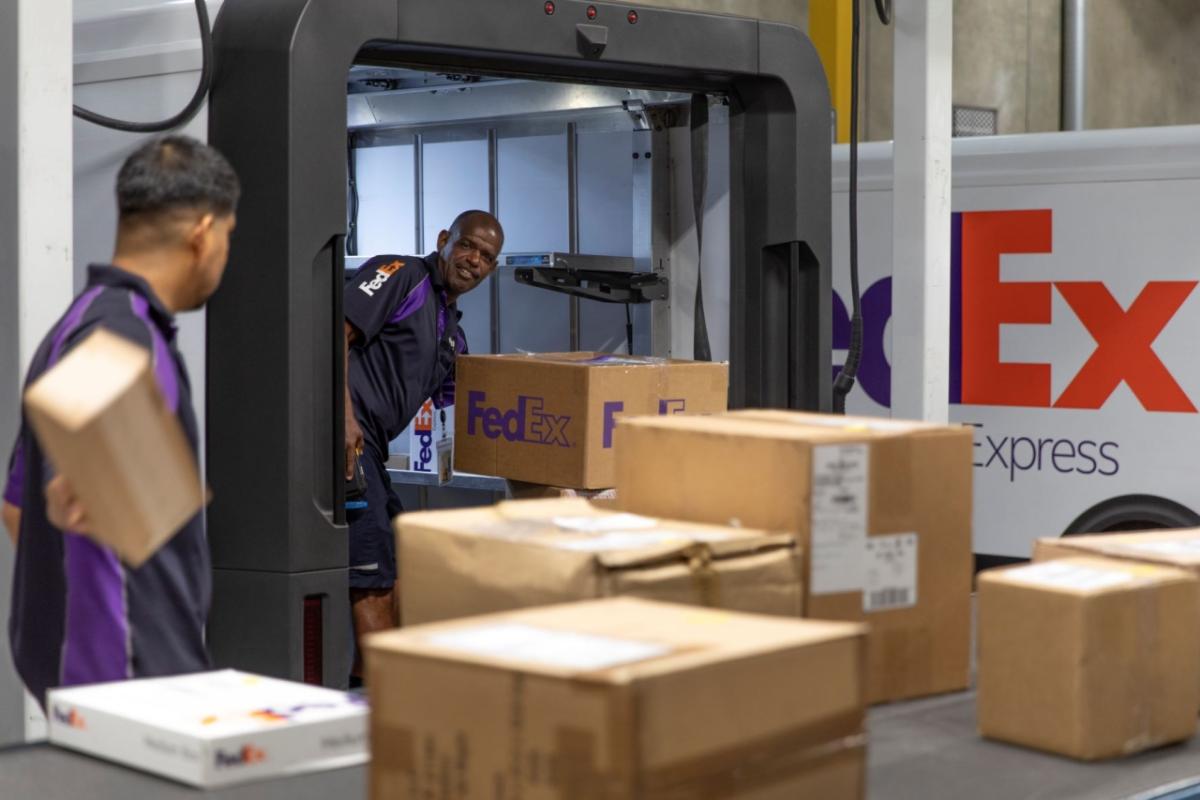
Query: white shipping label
{"type": "Point", "coordinates": [550, 648]}
{"type": "Point", "coordinates": [1056, 574]}
{"type": "Point", "coordinates": [891, 572]}
{"type": "Point", "coordinates": [839, 517]}
{"type": "Point", "coordinates": [1168, 547]}
{"type": "Point", "coordinates": [635, 540]}
{"type": "Point", "coordinates": [605, 522]}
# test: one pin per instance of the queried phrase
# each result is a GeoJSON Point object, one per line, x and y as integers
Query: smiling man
{"type": "Point", "coordinates": [402, 337]}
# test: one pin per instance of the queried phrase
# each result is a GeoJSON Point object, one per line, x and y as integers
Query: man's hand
{"type": "Point", "coordinates": [63, 508]}
{"type": "Point", "coordinates": [354, 441]}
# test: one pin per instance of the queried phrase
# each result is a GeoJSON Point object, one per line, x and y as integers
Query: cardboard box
{"type": "Point", "coordinates": [1175, 548]}
{"type": "Point", "coordinates": [102, 420]}
{"type": "Point", "coordinates": [882, 510]}
{"type": "Point", "coordinates": [550, 418]}
{"type": "Point", "coordinates": [618, 698]}
{"type": "Point", "coordinates": [520, 490]}
{"type": "Point", "coordinates": [212, 728]}
{"type": "Point", "coordinates": [535, 552]}
{"type": "Point", "coordinates": [1090, 658]}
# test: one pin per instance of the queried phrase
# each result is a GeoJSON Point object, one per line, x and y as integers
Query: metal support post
{"type": "Point", "coordinates": [921, 210]}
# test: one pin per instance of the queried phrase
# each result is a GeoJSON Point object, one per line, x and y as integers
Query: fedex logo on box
{"type": "Point", "coordinates": [422, 456]}
{"type": "Point", "coordinates": [980, 303]}
{"type": "Point", "coordinates": [247, 754]}
{"type": "Point", "coordinates": [612, 408]}
{"type": "Point", "coordinates": [528, 422]}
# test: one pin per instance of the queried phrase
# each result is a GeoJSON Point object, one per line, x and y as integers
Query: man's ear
{"type": "Point", "coordinates": [443, 237]}
{"type": "Point", "coordinates": [197, 237]}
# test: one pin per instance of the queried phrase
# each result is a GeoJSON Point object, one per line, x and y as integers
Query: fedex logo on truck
{"type": "Point", "coordinates": [422, 460]}
{"type": "Point", "coordinates": [528, 422]}
{"type": "Point", "coordinates": [614, 407]}
{"type": "Point", "coordinates": [980, 303]}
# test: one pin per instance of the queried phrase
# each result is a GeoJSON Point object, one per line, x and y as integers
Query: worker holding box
{"type": "Point", "coordinates": [79, 614]}
{"type": "Point", "coordinates": [402, 337]}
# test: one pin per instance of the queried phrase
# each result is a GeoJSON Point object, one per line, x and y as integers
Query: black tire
{"type": "Point", "coordinates": [1133, 512]}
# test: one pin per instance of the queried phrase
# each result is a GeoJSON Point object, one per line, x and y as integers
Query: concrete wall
{"type": "Point", "coordinates": [1143, 64]}
{"type": "Point", "coordinates": [1006, 57]}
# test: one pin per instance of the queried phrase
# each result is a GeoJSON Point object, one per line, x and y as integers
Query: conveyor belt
{"type": "Point", "coordinates": [922, 750]}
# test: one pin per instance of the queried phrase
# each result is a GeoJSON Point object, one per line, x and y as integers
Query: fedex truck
{"type": "Point", "coordinates": [1075, 325]}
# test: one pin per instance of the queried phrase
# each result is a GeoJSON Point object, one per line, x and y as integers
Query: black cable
{"type": "Point", "coordinates": [884, 9]}
{"type": "Point", "coordinates": [193, 106]}
{"type": "Point", "coordinates": [352, 179]}
{"type": "Point", "coordinates": [629, 328]}
{"type": "Point", "coordinates": [844, 382]}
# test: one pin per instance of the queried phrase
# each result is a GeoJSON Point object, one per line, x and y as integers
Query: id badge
{"type": "Point", "coordinates": [445, 447]}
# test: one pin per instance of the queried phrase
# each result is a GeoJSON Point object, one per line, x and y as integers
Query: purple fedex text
{"type": "Point", "coordinates": [525, 423]}
{"type": "Point", "coordinates": [614, 407]}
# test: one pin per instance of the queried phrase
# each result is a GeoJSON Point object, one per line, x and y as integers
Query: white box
{"type": "Point", "coordinates": [427, 444]}
{"type": "Point", "coordinates": [212, 728]}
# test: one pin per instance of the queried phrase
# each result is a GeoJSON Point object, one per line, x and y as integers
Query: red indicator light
{"type": "Point", "coordinates": [632, 17]}
{"type": "Point", "coordinates": [549, 8]}
{"type": "Point", "coordinates": [591, 12]}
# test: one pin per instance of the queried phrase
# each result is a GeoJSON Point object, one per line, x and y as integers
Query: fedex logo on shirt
{"type": "Point", "coordinates": [980, 303]}
{"type": "Point", "coordinates": [612, 408]}
{"type": "Point", "coordinates": [369, 288]}
{"type": "Point", "coordinates": [528, 422]}
{"type": "Point", "coordinates": [423, 429]}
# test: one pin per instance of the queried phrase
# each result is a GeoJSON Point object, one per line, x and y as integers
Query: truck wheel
{"type": "Point", "coordinates": [1133, 512]}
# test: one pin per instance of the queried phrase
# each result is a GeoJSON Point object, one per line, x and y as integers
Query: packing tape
{"type": "Point", "coordinates": [705, 577]}
{"type": "Point", "coordinates": [1147, 639]}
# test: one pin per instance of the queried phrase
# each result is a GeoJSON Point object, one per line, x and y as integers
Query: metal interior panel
{"type": "Point", "coordinates": [387, 200]}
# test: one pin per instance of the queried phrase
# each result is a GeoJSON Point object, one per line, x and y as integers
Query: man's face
{"type": "Point", "coordinates": [468, 256]}
{"type": "Point", "coordinates": [210, 244]}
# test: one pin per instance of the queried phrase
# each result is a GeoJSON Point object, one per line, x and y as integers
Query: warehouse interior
{"type": "Point", "coordinates": [814, 421]}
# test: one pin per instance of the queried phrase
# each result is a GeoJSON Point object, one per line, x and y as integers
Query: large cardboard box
{"type": "Point", "coordinates": [618, 698]}
{"type": "Point", "coordinates": [212, 728]}
{"type": "Point", "coordinates": [550, 418]}
{"type": "Point", "coordinates": [1091, 658]}
{"type": "Point", "coordinates": [536, 552]}
{"type": "Point", "coordinates": [1176, 548]}
{"type": "Point", "coordinates": [102, 420]}
{"type": "Point", "coordinates": [882, 510]}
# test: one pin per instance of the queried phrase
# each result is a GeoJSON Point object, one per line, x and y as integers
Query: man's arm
{"type": "Point", "coordinates": [354, 434]}
{"type": "Point", "coordinates": [12, 520]}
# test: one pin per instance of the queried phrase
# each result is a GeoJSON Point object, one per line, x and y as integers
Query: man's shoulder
{"type": "Point", "coordinates": [394, 272]}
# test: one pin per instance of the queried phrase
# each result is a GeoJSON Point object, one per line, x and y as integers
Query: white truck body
{"type": "Point", "coordinates": [1074, 322]}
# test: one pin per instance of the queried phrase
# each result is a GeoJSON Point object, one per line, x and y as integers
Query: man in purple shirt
{"type": "Point", "coordinates": [80, 615]}
{"type": "Point", "coordinates": [402, 337]}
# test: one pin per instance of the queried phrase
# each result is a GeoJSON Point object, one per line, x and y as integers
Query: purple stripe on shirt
{"type": "Point", "coordinates": [414, 300]}
{"type": "Point", "coordinates": [71, 321]}
{"type": "Point", "coordinates": [15, 484]}
{"type": "Point", "coordinates": [164, 365]}
{"type": "Point", "coordinates": [96, 640]}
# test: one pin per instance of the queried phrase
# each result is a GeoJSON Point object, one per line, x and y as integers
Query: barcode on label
{"type": "Point", "coordinates": [888, 598]}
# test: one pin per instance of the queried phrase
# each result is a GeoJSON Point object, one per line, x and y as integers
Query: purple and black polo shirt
{"type": "Point", "coordinates": [409, 340]}
{"type": "Point", "coordinates": [79, 615]}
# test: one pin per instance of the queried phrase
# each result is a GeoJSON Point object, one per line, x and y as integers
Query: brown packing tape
{"type": "Point", "coordinates": [757, 763]}
{"type": "Point", "coordinates": [708, 583]}
{"type": "Point", "coordinates": [1148, 635]}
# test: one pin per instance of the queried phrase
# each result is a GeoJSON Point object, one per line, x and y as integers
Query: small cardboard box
{"type": "Point", "coordinates": [618, 698]}
{"type": "Point", "coordinates": [102, 420]}
{"type": "Point", "coordinates": [536, 552]}
{"type": "Point", "coordinates": [882, 510]}
{"type": "Point", "coordinates": [212, 728]}
{"type": "Point", "coordinates": [1087, 657]}
{"type": "Point", "coordinates": [550, 418]}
